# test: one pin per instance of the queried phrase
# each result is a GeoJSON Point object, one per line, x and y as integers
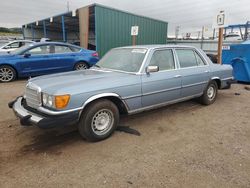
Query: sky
{"type": "Point", "coordinates": [189, 15]}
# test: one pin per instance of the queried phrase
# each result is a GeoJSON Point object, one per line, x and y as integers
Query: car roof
{"type": "Point", "coordinates": [53, 43]}
{"type": "Point", "coordinates": [156, 46]}
{"type": "Point", "coordinates": [20, 41]}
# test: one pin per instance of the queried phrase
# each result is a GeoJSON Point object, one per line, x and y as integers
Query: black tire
{"type": "Point", "coordinates": [105, 109]}
{"type": "Point", "coordinates": [7, 73]}
{"type": "Point", "coordinates": [81, 66]}
{"type": "Point", "coordinates": [210, 93]}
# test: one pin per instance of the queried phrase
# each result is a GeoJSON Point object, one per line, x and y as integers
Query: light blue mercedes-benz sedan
{"type": "Point", "coordinates": [126, 80]}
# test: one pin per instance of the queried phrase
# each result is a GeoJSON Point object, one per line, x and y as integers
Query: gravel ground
{"type": "Point", "coordinates": [182, 145]}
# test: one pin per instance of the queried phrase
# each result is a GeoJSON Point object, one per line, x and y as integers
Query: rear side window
{"type": "Point", "coordinates": [186, 58]}
{"type": "Point", "coordinates": [200, 61]}
{"type": "Point", "coordinates": [164, 59]}
{"type": "Point", "coordinates": [75, 49]}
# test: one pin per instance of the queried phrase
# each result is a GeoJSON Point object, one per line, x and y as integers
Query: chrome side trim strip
{"type": "Point", "coordinates": [196, 84]}
{"type": "Point", "coordinates": [131, 96]}
{"type": "Point", "coordinates": [164, 90]}
{"type": "Point", "coordinates": [160, 91]}
{"type": "Point", "coordinates": [162, 104]}
{"type": "Point", "coordinates": [150, 93]}
{"type": "Point", "coordinates": [229, 78]}
{"type": "Point", "coordinates": [215, 77]}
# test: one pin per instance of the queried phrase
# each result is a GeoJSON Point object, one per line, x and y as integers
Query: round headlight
{"type": "Point", "coordinates": [45, 99]}
{"type": "Point", "coordinates": [50, 101]}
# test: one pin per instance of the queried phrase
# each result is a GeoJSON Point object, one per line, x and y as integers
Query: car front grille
{"type": "Point", "coordinates": [32, 96]}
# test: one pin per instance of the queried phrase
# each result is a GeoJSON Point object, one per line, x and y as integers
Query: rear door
{"type": "Point", "coordinates": [193, 70]}
{"type": "Point", "coordinates": [165, 85]}
{"type": "Point", "coordinates": [63, 58]}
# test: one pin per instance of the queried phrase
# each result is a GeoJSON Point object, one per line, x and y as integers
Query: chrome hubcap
{"type": "Point", "coordinates": [81, 66]}
{"type": "Point", "coordinates": [102, 122]}
{"type": "Point", "coordinates": [6, 74]}
{"type": "Point", "coordinates": [211, 92]}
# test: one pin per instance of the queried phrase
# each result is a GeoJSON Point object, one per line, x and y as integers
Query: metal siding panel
{"type": "Point", "coordinates": [113, 29]}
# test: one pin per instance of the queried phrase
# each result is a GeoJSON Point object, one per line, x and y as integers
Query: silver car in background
{"type": "Point", "coordinates": [126, 80]}
{"type": "Point", "coordinates": [13, 45]}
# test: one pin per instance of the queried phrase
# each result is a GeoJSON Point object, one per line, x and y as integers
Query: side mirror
{"type": "Point", "coordinates": [26, 55]}
{"type": "Point", "coordinates": [150, 69]}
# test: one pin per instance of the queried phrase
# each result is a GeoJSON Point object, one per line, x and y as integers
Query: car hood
{"type": "Point", "coordinates": [76, 82]}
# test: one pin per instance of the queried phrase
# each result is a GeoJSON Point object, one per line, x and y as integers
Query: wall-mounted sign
{"type": "Point", "coordinates": [134, 30]}
{"type": "Point", "coordinates": [51, 19]}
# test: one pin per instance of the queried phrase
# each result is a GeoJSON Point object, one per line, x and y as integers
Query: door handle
{"type": "Point", "coordinates": [177, 76]}
{"type": "Point", "coordinates": [206, 71]}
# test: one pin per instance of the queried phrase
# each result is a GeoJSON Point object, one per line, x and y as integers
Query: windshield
{"type": "Point", "coordinates": [123, 59]}
{"type": "Point", "coordinates": [20, 50]}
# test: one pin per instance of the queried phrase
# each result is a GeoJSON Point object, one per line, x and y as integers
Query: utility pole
{"type": "Point", "coordinates": [220, 41]}
{"type": "Point", "coordinates": [202, 36]}
{"type": "Point", "coordinates": [246, 30]}
{"type": "Point", "coordinates": [213, 34]}
{"type": "Point", "coordinates": [67, 6]}
{"type": "Point", "coordinates": [177, 30]}
{"type": "Point", "coordinates": [220, 23]}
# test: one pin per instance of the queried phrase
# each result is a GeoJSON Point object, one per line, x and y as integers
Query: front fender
{"type": "Point", "coordinates": [98, 96]}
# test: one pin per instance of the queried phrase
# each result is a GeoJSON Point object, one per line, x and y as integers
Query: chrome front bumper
{"type": "Point", "coordinates": [22, 113]}
{"type": "Point", "coordinates": [28, 118]}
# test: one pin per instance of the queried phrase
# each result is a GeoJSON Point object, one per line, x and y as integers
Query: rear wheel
{"type": "Point", "coordinates": [7, 73]}
{"type": "Point", "coordinates": [81, 66]}
{"type": "Point", "coordinates": [99, 120]}
{"type": "Point", "coordinates": [209, 94]}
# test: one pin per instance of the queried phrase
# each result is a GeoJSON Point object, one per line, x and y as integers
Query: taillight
{"type": "Point", "coordinates": [95, 54]}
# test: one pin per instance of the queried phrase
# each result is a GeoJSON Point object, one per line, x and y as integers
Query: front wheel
{"type": "Point", "coordinates": [99, 120]}
{"type": "Point", "coordinates": [209, 94]}
{"type": "Point", "coordinates": [7, 73]}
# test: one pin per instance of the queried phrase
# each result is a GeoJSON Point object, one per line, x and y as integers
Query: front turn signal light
{"type": "Point", "coordinates": [61, 101]}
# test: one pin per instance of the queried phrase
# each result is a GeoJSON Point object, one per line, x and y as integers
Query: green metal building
{"type": "Point", "coordinates": [99, 28]}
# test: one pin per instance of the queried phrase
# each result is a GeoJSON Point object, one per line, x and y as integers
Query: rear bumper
{"type": "Point", "coordinates": [28, 117]}
{"type": "Point", "coordinates": [225, 83]}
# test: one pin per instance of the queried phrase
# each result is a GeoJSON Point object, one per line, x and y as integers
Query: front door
{"type": "Point", "coordinates": [37, 61]}
{"type": "Point", "coordinates": [162, 86]}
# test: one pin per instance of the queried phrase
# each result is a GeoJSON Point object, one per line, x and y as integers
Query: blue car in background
{"type": "Point", "coordinates": [44, 58]}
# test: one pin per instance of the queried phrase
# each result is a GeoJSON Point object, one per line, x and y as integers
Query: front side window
{"type": "Point", "coordinates": [164, 59]}
{"type": "Point", "coordinates": [39, 50]}
{"type": "Point", "coordinates": [62, 49]}
{"type": "Point", "coordinates": [186, 58]}
{"type": "Point", "coordinates": [123, 59]}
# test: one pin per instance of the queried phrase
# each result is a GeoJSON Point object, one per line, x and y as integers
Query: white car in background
{"type": "Point", "coordinates": [13, 45]}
